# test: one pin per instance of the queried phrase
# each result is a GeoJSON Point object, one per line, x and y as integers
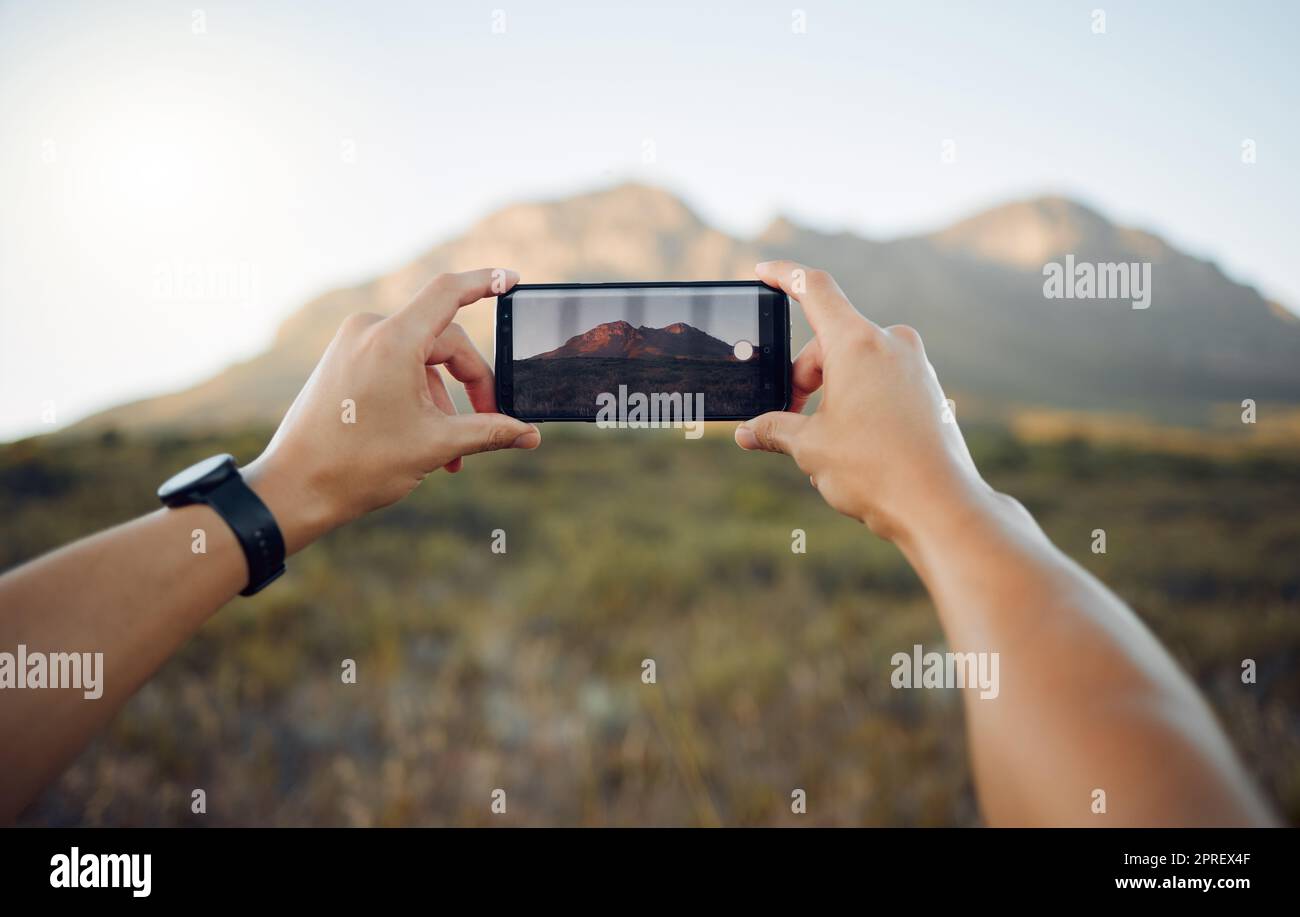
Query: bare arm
{"type": "Point", "coordinates": [135, 593]}
{"type": "Point", "coordinates": [1088, 699]}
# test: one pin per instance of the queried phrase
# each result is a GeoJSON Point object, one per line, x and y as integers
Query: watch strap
{"type": "Point", "coordinates": [254, 527]}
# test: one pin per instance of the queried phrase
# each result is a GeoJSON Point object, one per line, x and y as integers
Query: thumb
{"type": "Point", "coordinates": [771, 432]}
{"type": "Point", "coordinates": [472, 433]}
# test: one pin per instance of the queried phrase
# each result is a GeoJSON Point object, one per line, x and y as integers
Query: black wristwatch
{"type": "Point", "coordinates": [216, 482]}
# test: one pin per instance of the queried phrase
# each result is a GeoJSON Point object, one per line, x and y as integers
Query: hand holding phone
{"type": "Point", "coordinates": [883, 445]}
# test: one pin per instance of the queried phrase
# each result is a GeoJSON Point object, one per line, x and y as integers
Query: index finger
{"type": "Point", "coordinates": [433, 308]}
{"type": "Point", "coordinates": [815, 290]}
{"type": "Point", "coordinates": [457, 352]}
{"type": "Point", "coordinates": [806, 376]}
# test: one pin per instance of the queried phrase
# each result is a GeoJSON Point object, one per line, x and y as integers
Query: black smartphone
{"type": "Point", "coordinates": [579, 351]}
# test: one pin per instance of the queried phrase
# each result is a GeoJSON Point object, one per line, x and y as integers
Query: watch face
{"type": "Point", "coordinates": [181, 487]}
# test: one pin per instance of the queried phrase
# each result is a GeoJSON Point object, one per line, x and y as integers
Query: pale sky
{"type": "Point", "coordinates": [545, 319]}
{"type": "Point", "coordinates": [168, 193]}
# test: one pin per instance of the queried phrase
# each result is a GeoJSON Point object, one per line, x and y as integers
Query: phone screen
{"type": "Point", "coordinates": [574, 348]}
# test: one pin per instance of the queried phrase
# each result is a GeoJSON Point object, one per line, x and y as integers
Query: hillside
{"type": "Point", "coordinates": [975, 291]}
{"type": "Point", "coordinates": [620, 339]}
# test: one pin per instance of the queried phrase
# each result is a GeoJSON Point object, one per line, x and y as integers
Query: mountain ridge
{"type": "Point", "coordinates": [620, 338]}
{"type": "Point", "coordinates": [974, 289]}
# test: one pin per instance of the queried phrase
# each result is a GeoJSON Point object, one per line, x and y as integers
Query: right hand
{"type": "Point", "coordinates": [883, 446]}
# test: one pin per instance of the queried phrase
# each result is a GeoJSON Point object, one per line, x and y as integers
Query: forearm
{"type": "Point", "coordinates": [134, 594]}
{"type": "Point", "coordinates": [1088, 699]}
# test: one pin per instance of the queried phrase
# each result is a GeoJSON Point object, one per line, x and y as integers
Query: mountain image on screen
{"type": "Point", "coordinates": [567, 381]}
{"type": "Point", "coordinates": [619, 339]}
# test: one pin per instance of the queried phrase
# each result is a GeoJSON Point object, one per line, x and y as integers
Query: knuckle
{"type": "Point", "coordinates": [766, 434]}
{"type": "Point", "coordinates": [359, 321]}
{"type": "Point", "coordinates": [905, 334]}
{"type": "Point", "coordinates": [860, 336]}
{"type": "Point", "coordinates": [498, 437]}
{"type": "Point", "coordinates": [443, 281]}
{"type": "Point", "coordinates": [441, 284]}
{"type": "Point", "coordinates": [819, 281]}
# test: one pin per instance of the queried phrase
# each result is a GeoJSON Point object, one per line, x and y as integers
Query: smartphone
{"type": "Point", "coordinates": [567, 351]}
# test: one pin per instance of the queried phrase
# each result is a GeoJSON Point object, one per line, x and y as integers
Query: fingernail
{"type": "Point", "coordinates": [745, 438]}
{"type": "Point", "coordinates": [761, 265]}
{"type": "Point", "coordinates": [503, 278]}
{"type": "Point", "coordinates": [530, 440]}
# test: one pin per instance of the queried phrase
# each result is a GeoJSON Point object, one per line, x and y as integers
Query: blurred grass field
{"type": "Point", "coordinates": [523, 671]}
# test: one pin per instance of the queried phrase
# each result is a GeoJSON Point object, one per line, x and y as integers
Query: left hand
{"type": "Point", "coordinates": [375, 417]}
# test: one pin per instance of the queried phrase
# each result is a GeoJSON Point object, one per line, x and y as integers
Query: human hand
{"type": "Point", "coordinates": [882, 447]}
{"type": "Point", "coordinates": [375, 417]}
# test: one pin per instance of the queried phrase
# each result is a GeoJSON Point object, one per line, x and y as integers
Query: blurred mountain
{"type": "Point", "coordinates": [974, 290]}
{"type": "Point", "coordinates": [619, 339]}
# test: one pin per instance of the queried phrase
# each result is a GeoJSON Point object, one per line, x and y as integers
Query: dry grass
{"type": "Point", "coordinates": [523, 670]}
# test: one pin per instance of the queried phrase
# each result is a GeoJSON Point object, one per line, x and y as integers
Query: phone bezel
{"type": "Point", "coordinates": [774, 342]}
